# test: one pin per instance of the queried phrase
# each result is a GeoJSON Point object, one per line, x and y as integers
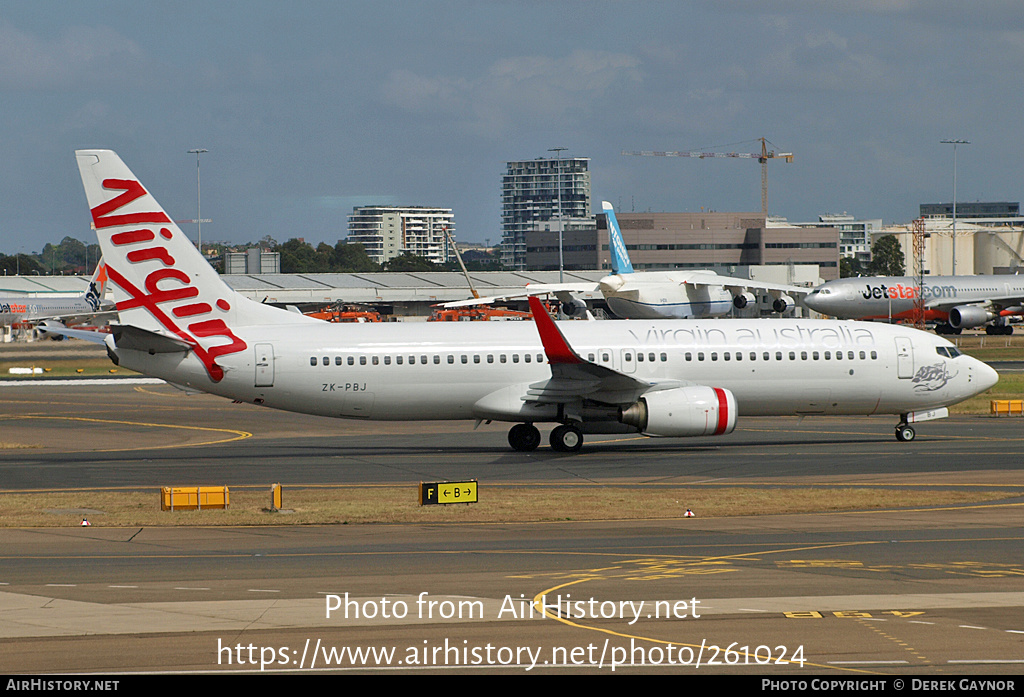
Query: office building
{"type": "Point", "coordinates": [542, 195]}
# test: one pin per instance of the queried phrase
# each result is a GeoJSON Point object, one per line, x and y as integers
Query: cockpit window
{"type": "Point", "coordinates": [948, 351]}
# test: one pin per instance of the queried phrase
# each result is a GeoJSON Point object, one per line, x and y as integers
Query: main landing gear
{"type": "Point", "coordinates": [566, 438]}
{"type": "Point", "coordinates": [524, 437]}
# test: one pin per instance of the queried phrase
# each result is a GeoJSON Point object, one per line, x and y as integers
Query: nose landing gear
{"type": "Point", "coordinates": [904, 433]}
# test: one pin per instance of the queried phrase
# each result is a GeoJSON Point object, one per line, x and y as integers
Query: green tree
{"type": "Point", "coordinates": [298, 256]}
{"type": "Point", "coordinates": [19, 263]}
{"type": "Point", "coordinates": [352, 258]}
{"type": "Point", "coordinates": [886, 257]}
{"type": "Point", "coordinates": [409, 262]}
{"type": "Point", "coordinates": [850, 267]}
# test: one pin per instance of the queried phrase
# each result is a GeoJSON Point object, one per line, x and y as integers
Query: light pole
{"type": "Point", "coordinates": [954, 143]}
{"type": "Point", "coordinates": [558, 188]}
{"type": "Point", "coordinates": [199, 197]}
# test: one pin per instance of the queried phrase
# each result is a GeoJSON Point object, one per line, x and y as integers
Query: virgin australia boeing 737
{"type": "Point", "coordinates": [180, 322]}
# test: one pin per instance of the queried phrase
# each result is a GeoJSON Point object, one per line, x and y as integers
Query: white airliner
{"type": "Point", "coordinates": [954, 302]}
{"type": "Point", "coordinates": [677, 294]}
{"type": "Point", "coordinates": [180, 322]}
{"type": "Point", "coordinates": [55, 313]}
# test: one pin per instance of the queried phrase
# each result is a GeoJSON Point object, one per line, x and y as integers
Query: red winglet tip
{"type": "Point", "coordinates": [556, 347]}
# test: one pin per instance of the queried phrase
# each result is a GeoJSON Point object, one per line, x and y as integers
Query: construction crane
{"type": "Point", "coordinates": [761, 157]}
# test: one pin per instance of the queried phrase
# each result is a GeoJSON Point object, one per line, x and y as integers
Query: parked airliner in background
{"type": "Point", "coordinates": [678, 294]}
{"type": "Point", "coordinates": [180, 322]}
{"type": "Point", "coordinates": [955, 302]}
{"type": "Point", "coordinates": [53, 313]}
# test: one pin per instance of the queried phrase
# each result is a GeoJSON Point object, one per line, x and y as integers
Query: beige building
{"type": "Point", "coordinates": [659, 241]}
{"type": "Point", "coordinates": [390, 231]}
{"type": "Point", "coordinates": [981, 246]}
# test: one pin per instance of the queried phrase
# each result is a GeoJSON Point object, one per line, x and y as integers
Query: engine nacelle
{"type": "Point", "coordinates": [50, 324]}
{"type": "Point", "coordinates": [969, 316]}
{"type": "Point", "coordinates": [575, 308]}
{"type": "Point", "coordinates": [695, 410]}
{"type": "Point", "coordinates": [741, 300]}
{"type": "Point", "coordinates": [783, 303]}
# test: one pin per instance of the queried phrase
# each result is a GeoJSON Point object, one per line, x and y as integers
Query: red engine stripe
{"type": "Point", "coordinates": [723, 411]}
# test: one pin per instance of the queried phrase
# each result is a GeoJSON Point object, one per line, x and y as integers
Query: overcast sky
{"type": "Point", "coordinates": [310, 108]}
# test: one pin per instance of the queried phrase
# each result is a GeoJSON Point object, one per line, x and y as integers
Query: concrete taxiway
{"type": "Point", "coordinates": [934, 591]}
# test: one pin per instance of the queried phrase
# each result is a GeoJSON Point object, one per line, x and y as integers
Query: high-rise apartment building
{"type": "Point", "coordinates": [541, 195]}
{"type": "Point", "coordinates": [390, 231]}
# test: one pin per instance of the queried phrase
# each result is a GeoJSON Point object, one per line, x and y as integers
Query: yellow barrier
{"type": "Point", "coordinates": [190, 498]}
{"type": "Point", "coordinates": [1009, 407]}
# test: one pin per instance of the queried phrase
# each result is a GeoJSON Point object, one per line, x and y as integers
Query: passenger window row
{"type": "Point", "coordinates": [781, 355]}
{"type": "Point", "coordinates": [425, 359]}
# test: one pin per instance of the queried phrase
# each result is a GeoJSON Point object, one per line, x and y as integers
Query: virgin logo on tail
{"type": "Point", "coordinates": [165, 287]}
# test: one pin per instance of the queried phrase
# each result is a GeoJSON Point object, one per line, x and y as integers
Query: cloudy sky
{"type": "Point", "coordinates": [309, 108]}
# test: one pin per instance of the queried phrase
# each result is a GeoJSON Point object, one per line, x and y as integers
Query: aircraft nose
{"type": "Point", "coordinates": [987, 377]}
{"type": "Point", "coordinates": [816, 301]}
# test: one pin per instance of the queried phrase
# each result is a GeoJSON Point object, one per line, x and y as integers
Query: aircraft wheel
{"type": "Point", "coordinates": [566, 439]}
{"type": "Point", "coordinates": [905, 433]}
{"type": "Point", "coordinates": [524, 437]}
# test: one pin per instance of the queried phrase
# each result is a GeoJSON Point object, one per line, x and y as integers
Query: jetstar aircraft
{"type": "Point", "coordinates": [56, 313]}
{"type": "Point", "coordinates": [180, 322]}
{"type": "Point", "coordinates": [654, 294]}
{"type": "Point", "coordinates": [955, 302]}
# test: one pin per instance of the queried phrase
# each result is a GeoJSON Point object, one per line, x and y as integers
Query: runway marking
{"type": "Point", "coordinates": [538, 598]}
{"type": "Point", "coordinates": [237, 435]}
{"type": "Point", "coordinates": [902, 644]}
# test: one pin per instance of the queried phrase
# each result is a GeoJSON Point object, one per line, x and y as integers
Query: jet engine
{"type": "Point", "coordinates": [695, 410]}
{"type": "Point", "coordinates": [783, 303]}
{"type": "Point", "coordinates": [575, 308]}
{"type": "Point", "coordinates": [741, 300]}
{"type": "Point", "coordinates": [969, 316]}
{"type": "Point", "coordinates": [50, 324]}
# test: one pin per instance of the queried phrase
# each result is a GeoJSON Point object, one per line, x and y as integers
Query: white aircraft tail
{"type": "Point", "coordinates": [161, 282]}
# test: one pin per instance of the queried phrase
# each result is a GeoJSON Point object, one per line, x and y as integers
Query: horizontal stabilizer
{"type": "Point", "coordinates": [136, 339]}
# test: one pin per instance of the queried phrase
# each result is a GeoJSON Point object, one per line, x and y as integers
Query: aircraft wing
{"type": "Point", "coordinates": [736, 285]}
{"type": "Point", "coordinates": [562, 291]}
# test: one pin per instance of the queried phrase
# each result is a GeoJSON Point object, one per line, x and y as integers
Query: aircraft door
{"type": "Point", "coordinates": [628, 359]}
{"type": "Point", "coordinates": [904, 358]}
{"type": "Point", "coordinates": [264, 365]}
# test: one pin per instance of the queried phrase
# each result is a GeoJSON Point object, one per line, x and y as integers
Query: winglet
{"type": "Point", "coordinates": [556, 347]}
{"type": "Point", "coordinates": [620, 257]}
